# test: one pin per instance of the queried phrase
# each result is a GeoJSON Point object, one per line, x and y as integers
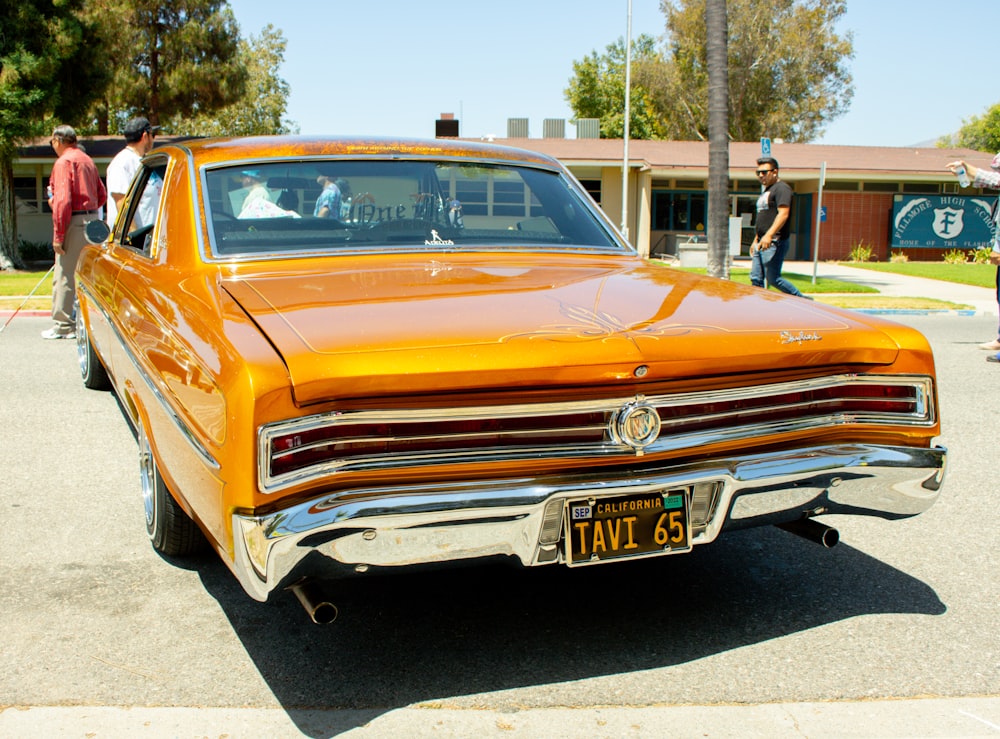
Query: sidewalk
{"type": "Point", "coordinates": [983, 299]}
{"type": "Point", "coordinates": [937, 718]}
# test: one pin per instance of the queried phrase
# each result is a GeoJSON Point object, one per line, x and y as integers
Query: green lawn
{"type": "Point", "coordinates": [980, 275]}
{"type": "Point", "coordinates": [854, 296]}
{"type": "Point", "coordinates": [803, 282]}
{"type": "Point", "coordinates": [22, 283]}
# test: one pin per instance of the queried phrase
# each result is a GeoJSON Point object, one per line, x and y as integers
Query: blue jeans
{"type": "Point", "coordinates": [766, 264]}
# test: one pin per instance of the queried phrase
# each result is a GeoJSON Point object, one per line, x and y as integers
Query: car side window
{"type": "Point", "coordinates": [143, 206]}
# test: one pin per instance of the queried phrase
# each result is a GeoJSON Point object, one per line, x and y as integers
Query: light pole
{"type": "Point", "coordinates": [628, 106]}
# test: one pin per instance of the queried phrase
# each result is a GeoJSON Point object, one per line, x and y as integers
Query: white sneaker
{"type": "Point", "coordinates": [991, 345]}
{"type": "Point", "coordinates": [53, 334]}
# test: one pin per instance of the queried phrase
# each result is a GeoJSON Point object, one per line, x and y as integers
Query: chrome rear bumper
{"type": "Point", "coordinates": [420, 525]}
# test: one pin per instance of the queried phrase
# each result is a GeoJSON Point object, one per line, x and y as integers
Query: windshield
{"type": "Point", "coordinates": [288, 207]}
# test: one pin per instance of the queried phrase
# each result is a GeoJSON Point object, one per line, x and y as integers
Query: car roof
{"type": "Point", "coordinates": [208, 151]}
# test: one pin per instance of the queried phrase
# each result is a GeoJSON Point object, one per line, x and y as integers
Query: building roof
{"type": "Point", "coordinates": [99, 148]}
{"type": "Point", "coordinates": [797, 161]}
{"type": "Point", "coordinates": [679, 158]}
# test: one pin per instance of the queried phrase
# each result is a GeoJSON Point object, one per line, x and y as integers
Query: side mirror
{"type": "Point", "coordinates": [96, 232]}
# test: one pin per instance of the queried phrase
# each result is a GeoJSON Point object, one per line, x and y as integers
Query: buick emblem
{"type": "Point", "coordinates": [637, 424]}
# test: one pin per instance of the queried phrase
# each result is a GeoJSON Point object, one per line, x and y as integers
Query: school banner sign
{"type": "Point", "coordinates": [941, 222]}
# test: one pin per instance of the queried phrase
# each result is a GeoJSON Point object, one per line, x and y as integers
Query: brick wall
{"type": "Point", "coordinates": [853, 217]}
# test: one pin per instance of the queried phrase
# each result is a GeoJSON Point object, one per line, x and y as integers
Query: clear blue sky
{"type": "Point", "coordinates": [391, 67]}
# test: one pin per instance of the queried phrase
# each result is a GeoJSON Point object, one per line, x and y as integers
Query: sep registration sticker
{"type": "Point", "coordinates": [580, 512]}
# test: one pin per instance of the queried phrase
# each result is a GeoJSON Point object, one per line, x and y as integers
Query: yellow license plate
{"type": "Point", "coordinates": [599, 529]}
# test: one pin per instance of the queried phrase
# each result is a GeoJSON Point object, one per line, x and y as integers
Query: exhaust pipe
{"type": "Point", "coordinates": [813, 530]}
{"type": "Point", "coordinates": [313, 599]}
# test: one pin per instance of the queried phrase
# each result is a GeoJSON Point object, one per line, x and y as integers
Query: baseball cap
{"type": "Point", "coordinates": [136, 127]}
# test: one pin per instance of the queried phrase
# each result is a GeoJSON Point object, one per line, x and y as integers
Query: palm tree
{"type": "Point", "coordinates": [717, 32]}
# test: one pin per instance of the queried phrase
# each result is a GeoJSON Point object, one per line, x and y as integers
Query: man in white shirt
{"type": "Point", "coordinates": [139, 135]}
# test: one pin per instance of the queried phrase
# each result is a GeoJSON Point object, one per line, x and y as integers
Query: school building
{"type": "Point", "coordinates": [893, 199]}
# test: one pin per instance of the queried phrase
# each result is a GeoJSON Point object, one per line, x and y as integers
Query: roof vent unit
{"type": "Point", "coordinates": [554, 128]}
{"type": "Point", "coordinates": [517, 128]}
{"type": "Point", "coordinates": [588, 128]}
{"type": "Point", "coordinates": [446, 127]}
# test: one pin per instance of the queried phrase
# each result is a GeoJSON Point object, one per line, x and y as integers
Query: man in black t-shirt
{"type": "Point", "coordinates": [774, 208]}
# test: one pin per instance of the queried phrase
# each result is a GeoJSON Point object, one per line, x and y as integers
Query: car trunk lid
{"type": "Point", "coordinates": [405, 327]}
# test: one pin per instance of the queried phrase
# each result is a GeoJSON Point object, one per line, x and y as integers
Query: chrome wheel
{"type": "Point", "coordinates": [92, 370]}
{"type": "Point", "coordinates": [147, 472]}
{"type": "Point", "coordinates": [171, 531]}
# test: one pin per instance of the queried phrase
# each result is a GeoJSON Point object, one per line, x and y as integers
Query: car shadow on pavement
{"type": "Point", "coordinates": [438, 636]}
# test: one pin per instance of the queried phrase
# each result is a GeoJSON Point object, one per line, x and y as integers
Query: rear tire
{"type": "Point", "coordinates": [95, 377]}
{"type": "Point", "coordinates": [171, 531]}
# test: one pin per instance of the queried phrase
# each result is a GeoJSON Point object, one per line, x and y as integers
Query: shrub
{"type": "Point", "coordinates": [955, 256]}
{"type": "Point", "coordinates": [861, 252]}
{"type": "Point", "coordinates": [899, 256]}
{"type": "Point", "coordinates": [981, 255]}
{"type": "Point", "coordinates": [36, 251]}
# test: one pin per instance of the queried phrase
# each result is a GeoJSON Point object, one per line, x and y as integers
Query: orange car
{"type": "Point", "coordinates": [347, 357]}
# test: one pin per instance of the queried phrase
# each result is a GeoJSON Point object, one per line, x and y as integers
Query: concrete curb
{"type": "Point", "coordinates": [876, 719]}
{"type": "Point", "coordinates": [31, 313]}
{"type": "Point", "coordinates": [919, 312]}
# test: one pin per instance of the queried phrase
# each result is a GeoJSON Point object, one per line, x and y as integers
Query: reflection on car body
{"type": "Point", "coordinates": [463, 360]}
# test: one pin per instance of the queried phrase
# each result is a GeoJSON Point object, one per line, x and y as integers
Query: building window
{"type": "Point", "coordinates": [29, 196]}
{"type": "Point", "coordinates": [493, 193]}
{"type": "Point", "coordinates": [881, 187]}
{"type": "Point", "coordinates": [508, 198]}
{"type": "Point", "coordinates": [472, 194]}
{"type": "Point", "coordinates": [921, 188]}
{"type": "Point", "coordinates": [679, 211]}
{"type": "Point", "coordinates": [593, 187]}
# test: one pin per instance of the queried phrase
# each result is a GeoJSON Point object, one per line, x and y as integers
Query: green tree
{"type": "Point", "coordinates": [261, 109]}
{"type": "Point", "coordinates": [597, 90]}
{"type": "Point", "coordinates": [981, 133]}
{"type": "Point", "coordinates": [49, 74]}
{"type": "Point", "coordinates": [169, 59]}
{"type": "Point", "coordinates": [787, 71]}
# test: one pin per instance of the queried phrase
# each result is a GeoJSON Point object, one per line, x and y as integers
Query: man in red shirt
{"type": "Point", "coordinates": [76, 194]}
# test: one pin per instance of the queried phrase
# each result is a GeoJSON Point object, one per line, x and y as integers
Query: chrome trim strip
{"type": "Point", "coordinates": [184, 430]}
{"type": "Point", "coordinates": [924, 413]}
{"type": "Point", "coordinates": [612, 446]}
{"type": "Point", "coordinates": [341, 251]}
{"type": "Point", "coordinates": [200, 225]}
{"type": "Point", "coordinates": [423, 524]}
{"type": "Point", "coordinates": [388, 156]}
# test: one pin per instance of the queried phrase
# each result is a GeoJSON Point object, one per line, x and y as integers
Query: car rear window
{"type": "Point", "coordinates": [288, 207]}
